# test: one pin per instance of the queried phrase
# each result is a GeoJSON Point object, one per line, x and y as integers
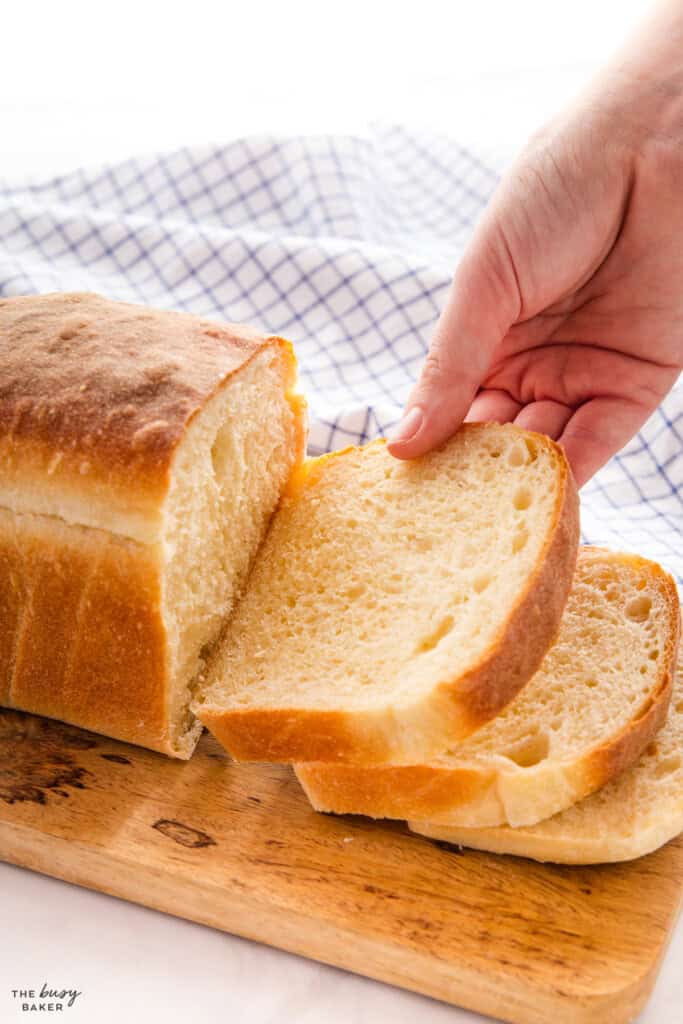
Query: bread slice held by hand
{"type": "Point", "coordinates": [595, 703]}
{"type": "Point", "coordinates": [142, 453]}
{"type": "Point", "coordinates": [395, 607]}
{"type": "Point", "coordinates": [631, 816]}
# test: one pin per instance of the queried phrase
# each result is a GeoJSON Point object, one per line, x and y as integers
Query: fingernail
{"type": "Point", "coordinates": [408, 426]}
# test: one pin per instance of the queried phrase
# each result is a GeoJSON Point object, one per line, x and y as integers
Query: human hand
{"type": "Point", "coordinates": [566, 311]}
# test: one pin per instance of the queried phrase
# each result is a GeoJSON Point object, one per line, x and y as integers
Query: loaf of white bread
{"type": "Point", "coordinates": [142, 454]}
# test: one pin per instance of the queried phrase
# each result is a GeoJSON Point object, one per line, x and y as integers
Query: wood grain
{"type": "Point", "coordinates": [237, 847]}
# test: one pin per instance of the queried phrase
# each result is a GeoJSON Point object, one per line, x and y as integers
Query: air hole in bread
{"type": "Point", "coordinates": [531, 448]}
{"type": "Point", "coordinates": [222, 451]}
{"type": "Point", "coordinates": [522, 499]}
{"type": "Point", "coordinates": [652, 749]}
{"type": "Point", "coordinates": [668, 766]}
{"type": "Point", "coordinates": [519, 541]}
{"type": "Point", "coordinates": [529, 751]}
{"type": "Point", "coordinates": [638, 609]}
{"type": "Point", "coordinates": [591, 683]}
{"type": "Point", "coordinates": [428, 643]}
{"type": "Point", "coordinates": [480, 583]}
{"type": "Point", "coordinates": [517, 456]}
{"type": "Point", "coordinates": [654, 654]}
{"type": "Point", "coordinates": [423, 544]}
{"type": "Point", "coordinates": [678, 707]}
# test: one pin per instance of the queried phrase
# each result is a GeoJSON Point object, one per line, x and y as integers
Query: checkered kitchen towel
{"type": "Point", "coordinates": [344, 244]}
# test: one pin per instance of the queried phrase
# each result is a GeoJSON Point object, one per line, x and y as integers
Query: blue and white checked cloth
{"type": "Point", "coordinates": [344, 244]}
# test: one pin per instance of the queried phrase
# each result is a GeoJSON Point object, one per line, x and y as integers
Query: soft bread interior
{"type": "Point", "coordinates": [616, 634]}
{"type": "Point", "coordinates": [227, 476]}
{"type": "Point", "coordinates": [571, 727]}
{"type": "Point", "coordinates": [380, 578]}
{"type": "Point", "coordinates": [632, 815]}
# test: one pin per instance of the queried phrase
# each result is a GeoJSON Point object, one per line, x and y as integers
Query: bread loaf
{"type": "Point", "coordinates": [397, 606]}
{"type": "Point", "coordinates": [597, 700]}
{"type": "Point", "coordinates": [141, 456]}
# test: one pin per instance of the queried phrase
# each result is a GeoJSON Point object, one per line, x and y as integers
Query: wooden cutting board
{"type": "Point", "coordinates": [237, 847]}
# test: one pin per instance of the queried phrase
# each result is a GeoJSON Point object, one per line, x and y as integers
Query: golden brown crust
{"type": "Point", "coordinates": [255, 735]}
{"type": "Point", "coordinates": [98, 394]}
{"type": "Point", "coordinates": [457, 707]}
{"type": "Point", "coordinates": [391, 791]}
{"type": "Point", "coordinates": [435, 792]}
{"type": "Point", "coordinates": [13, 598]}
{"type": "Point", "coordinates": [89, 644]}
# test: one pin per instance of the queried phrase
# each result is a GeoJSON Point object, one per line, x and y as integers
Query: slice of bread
{"type": "Point", "coordinates": [596, 702]}
{"type": "Point", "coordinates": [633, 815]}
{"type": "Point", "coordinates": [395, 607]}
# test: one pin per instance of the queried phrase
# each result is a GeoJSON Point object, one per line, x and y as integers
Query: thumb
{"type": "Point", "coordinates": [482, 304]}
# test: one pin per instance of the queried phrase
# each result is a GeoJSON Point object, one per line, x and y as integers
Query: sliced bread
{"type": "Point", "coordinates": [597, 700]}
{"type": "Point", "coordinates": [633, 815]}
{"type": "Point", "coordinates": [395, 607]}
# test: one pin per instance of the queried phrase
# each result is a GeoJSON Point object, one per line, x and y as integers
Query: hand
{"type": "Point", "coordinates": [566, 311]}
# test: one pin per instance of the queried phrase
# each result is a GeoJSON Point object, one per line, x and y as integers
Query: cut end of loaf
{"type": "Point", "coordinates": [227, 477]}
{"type": "Point", "coordinates": [396, 607]}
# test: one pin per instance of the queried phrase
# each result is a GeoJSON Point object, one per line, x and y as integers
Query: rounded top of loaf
{"type": "Point", "coordinates": [103, 391]}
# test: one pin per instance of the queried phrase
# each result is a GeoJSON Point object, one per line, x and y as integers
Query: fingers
{"type": "Point", "coordinates": [482, 304]}
{"type": "Point", "coordinates": [590, 435]}
{"type": "Point", "coordinates": [597, 431]}
{"type": "Point", "coordinates": [546, 417]}
{"type": "Point", "coordinates": [493, 406]}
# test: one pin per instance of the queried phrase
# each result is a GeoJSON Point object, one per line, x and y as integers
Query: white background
{"type": "Point", "coordinates": [89, 82]}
